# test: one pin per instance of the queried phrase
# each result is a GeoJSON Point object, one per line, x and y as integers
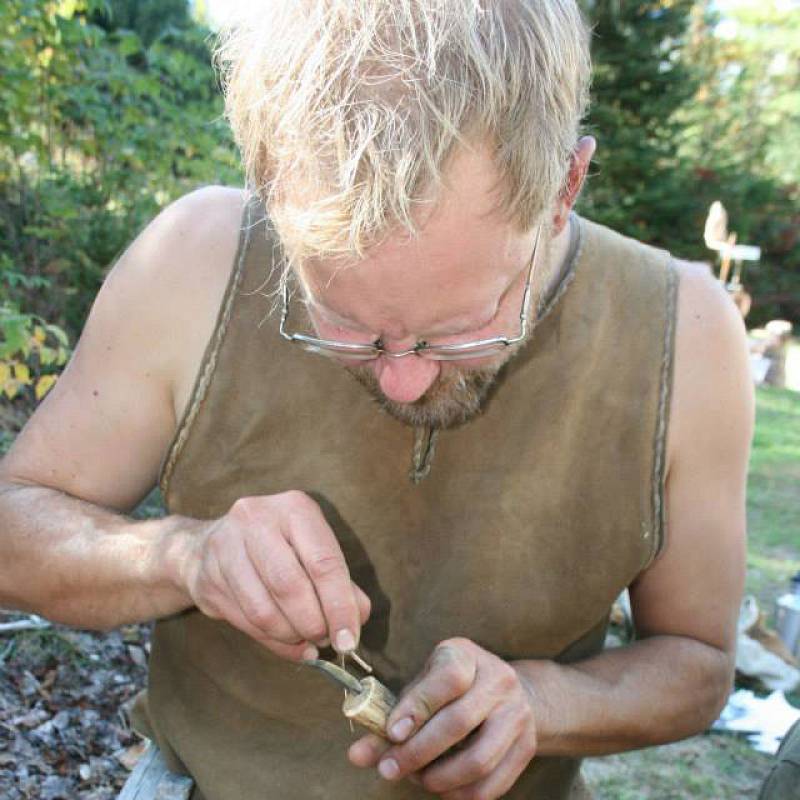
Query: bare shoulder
{"type": "Point", "coordinates": [693, 589]}
{"type": "Point", "coordinates": [712, 388]}
{"type": "Point", "coordinates": [183, 263]}
{"type": "Point", "coordinates": [102, 431]}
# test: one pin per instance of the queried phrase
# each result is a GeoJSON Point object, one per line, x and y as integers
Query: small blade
{"type": "Point", "coordinates": [340, 676]}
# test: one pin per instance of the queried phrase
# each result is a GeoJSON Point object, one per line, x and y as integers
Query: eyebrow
{"type": "Point", "coordinates": [442, 330]}
{"type": "Point", "coordinates": [434, 332]}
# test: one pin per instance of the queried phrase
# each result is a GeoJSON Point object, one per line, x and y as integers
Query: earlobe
{"type": "Point", "coordinates": [578, 166]}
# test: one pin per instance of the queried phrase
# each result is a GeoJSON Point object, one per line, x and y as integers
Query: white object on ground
{"type": "Point", "coordinates": [765, 719]}
{"type": "Point", "coordinates": [759, 367]}
{"type": "Point", "coordinates": [754, 660]}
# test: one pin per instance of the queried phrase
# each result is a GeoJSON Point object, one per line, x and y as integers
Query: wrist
{"type": "Point", "coordinates": [173, 549]}
{"type": "Point", "coordinates": [543, 681]}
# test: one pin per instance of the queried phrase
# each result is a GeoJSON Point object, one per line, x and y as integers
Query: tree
{"type": "Point", "coordinates": [147, 18]}
{"type": "Point", "coordinates": [742, 133]}
{"type": "Point", "coordinates": [640, 82]}
{"type": "Point", "coordinates": [97, 131]}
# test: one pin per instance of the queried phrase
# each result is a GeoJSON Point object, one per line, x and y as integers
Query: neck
{"type": "Point", "coordinates": [548, 275]}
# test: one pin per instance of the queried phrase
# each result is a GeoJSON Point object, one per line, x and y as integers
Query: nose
{"type": "Point", "coordinates": [406, 379]}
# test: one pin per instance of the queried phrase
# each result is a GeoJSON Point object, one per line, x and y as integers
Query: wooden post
{"type": "Point", "coordinates": [151, 780]}
{"type": "Point", "coordinates": [726, 260]}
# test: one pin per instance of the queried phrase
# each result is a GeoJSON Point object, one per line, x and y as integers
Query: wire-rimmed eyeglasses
{"type": "Point", "coordinates": [368, 351]}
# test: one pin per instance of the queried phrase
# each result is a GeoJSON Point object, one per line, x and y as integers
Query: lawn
{"type": "Point", "coordinates": [715, 767]}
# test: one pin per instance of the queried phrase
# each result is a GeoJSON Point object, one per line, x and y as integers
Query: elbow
{"type": "Point", "coordinates": [697, 682]}
{"type": "Point", "coordinates": [720, 684]}
{"type": "Point", "coordinates": [712, 674]}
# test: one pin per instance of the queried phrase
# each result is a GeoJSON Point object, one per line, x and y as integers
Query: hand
{"type": "Point", "coordinates": [273, 568]}
{"type": "Point", "coordinates": [467, 699]}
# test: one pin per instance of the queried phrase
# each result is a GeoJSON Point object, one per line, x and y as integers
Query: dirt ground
{"type": "Point", "coordinates": [64, 731]}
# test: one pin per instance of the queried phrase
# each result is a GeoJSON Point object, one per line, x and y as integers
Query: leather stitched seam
{"type": "Point", "coordinates": [209, 363]}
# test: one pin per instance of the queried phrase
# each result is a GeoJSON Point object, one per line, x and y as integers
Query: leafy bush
{"type": "Point", "coordinates": [98, 130]}
{"type": "Point", "coordinates": [32, 352]}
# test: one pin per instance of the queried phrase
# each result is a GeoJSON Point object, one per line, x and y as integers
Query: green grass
{"type": "Point", "coordinates": [773, 495]}
{"type": "Point", "coordinates": [719, 767]}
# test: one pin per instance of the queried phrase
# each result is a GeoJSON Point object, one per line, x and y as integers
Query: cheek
{"type": "Point", "coordinates": [450, 368]}
{"type": "Point", "coordinates": [338, 334]}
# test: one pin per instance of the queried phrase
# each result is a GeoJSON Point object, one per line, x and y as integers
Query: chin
{"type": "Point", "coordinates": [455, 397]}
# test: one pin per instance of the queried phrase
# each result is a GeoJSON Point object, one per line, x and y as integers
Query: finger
{"type": "Point", "coordinates": [367, 751]}
{"type": "Point", "coordinates": [363, 602]}
{"type": "Point", "coordinates": [320, 554]}
{"type": "Point", "coordinates": [288, 584]}
{"type": "Point", "coordinates": [255, 602]}
{"type": "Point", "coordinates": [454, 723]}
{"type": "Point", "coordinates": [229, 610]}
{"type": "Point", "coordinates": [501, 779]}
{"type": "Point", "coordinates": [449, 674]}
{"type": "Point", "coordinates": [480, 758]}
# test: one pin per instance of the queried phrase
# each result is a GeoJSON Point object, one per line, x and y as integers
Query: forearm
{"type": "Point", "coordinates": [654, 691]}
{"type": "Point", "coordinates": [80, 564]}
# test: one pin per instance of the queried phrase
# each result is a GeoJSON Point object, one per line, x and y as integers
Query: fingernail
{"type": "Point", "coordinates": [388, 769]}
{"type": "Point", "coordinates": [400, 730]}
{"type": "Point", "coordinates": [345, 641]}
{"type": "Point", "coordinates": [310, 653]}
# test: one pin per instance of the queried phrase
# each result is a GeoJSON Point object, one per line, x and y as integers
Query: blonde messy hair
{"type": "Point", "coordinates": [346, 111]}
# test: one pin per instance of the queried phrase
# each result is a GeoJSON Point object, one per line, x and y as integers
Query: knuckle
{"type": "Point", "coordinates": [477, 764]}
{"type": "Point", "coordinates": [325, 564]}
{"type": "Point", "coordinates": [296, 501]}
{"type": "Point", "coordinates": [411, 757]}
{"type": "Point", "coordinates": [460, 721]}
{"type": "Point", "coordinates": [261, 615]}
{"type": "Point", "coordinates": [244, 507]}
{"type": "Point", "coordinates": [456, 661]}
{"type": "Point", "coordinates": [459, 674]}
{"type": "Point", "coordinates": [421, 709]}
{"type": "Point", "coordinates": [285, 580]}
{"type": "Point", "coordinates": [215, 544]}
{"type": "Point", "coordinates": [313, 627]}
{"type": "Point", "coordinates": [506, 676]}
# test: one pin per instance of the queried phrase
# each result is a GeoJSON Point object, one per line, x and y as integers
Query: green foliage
{"type": "Point", "coordinates": [147, 18]}
{"type": "Point", "coordinates": [687, 111]}
{"type": "Point", "coordinates": [32, 352]}
{"type": "Point", "coordinates": [639, 83]}
{"type": "Point", "coordinates": [99, 128]}
{"type": "Point", "coordinates": [742, 133]}
{"type": "Point", "coordinates": [109, 109]}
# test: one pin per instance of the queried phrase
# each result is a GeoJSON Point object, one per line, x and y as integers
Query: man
{"type": "Point", "coordinates": [562, 413]}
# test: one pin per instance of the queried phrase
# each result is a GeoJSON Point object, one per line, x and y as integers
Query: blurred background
{"type": "Point", "coordinates": [110, 109]}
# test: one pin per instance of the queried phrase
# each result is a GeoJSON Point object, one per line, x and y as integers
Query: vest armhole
{"type": "Point", "coordinates": [658, 485]}
{"type": "Point", "coordinates": [208, 364]}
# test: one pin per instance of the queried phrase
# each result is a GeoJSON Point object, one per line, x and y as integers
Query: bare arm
{"type": "Point", "coordinates": [94, 448]}
{"type": "Point", "coordinates": [79, 564]}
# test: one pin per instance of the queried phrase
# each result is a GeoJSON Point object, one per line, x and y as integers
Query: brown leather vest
{"type": "Point", "coordinates": [532, 519]}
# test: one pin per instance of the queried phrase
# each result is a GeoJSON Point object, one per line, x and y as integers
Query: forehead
{"type": "Point", "coordinates": [465, 256]}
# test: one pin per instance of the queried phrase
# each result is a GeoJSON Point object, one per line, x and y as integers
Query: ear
{"type": "Point", "coordinates": [578, 165]}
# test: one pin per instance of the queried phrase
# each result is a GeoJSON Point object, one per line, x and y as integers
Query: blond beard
{"type": "Point", "coordinates": [452, 399]}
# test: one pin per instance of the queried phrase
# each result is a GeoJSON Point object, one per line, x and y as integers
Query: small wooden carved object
{"type": "Point", "coordinates": [367, 701]}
